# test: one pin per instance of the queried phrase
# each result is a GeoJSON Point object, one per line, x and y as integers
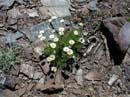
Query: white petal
{"type": "Point", "coordinates": [53, 17]}
{"type": "Point", "coordinates": [52, 36]}
{"type": "Point", "coordinates": [62, 20]}
{"type": "Point", "coordinates": [41, 32]}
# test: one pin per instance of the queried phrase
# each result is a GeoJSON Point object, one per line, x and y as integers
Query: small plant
{"type": "Point", "coordinates": [128, 20]}
{"type": "Point", "coordinates": [63, 46]}
{"type": "Point", "coordinates": [8, 57]}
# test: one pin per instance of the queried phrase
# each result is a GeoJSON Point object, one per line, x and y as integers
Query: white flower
{"type": "Point", "coordinates": [85, 33]}
{"type": "Point", "coordinates": [61, 29]}
{"type": "Point", "coordinates": [82, 40]}
{"type": "Point", "coordinates": [56, 39]}
{"type": "Point", "coordinates": [61, 33]}
{"type": "Point", "coordinates": [54, 69]}
{"type": "Point", "coordinates": [73, 57]}
{"type": "Point", "coordinates": [53, 17]}
{"type": "Point", "coordinates": [51, 58]}
{"type": "Point", "coordinates": [71, 42]}
{"type": "Point", "coordinates": [70, 52]}
{"type": "Point", "coordinates": [39, 36]}
{"type": "Point", "coordinates": [62, 20]}
{"type": "Point", "coordinates": [52, 36]}
{"type": "Point", "coordinates": [52, 45]}
{"type": "Point", "coordinates": [76, 32]}
{"type": "Point", "coordinates": [41, 32]}
{"type": "Point", "coordinates": [81, 24]}
{"type": "Point", "coordinates": [42, 38]}
{"type": "Point", "coordinates": [50, 20]}
{"type": "Point", "coordinates": [66, 49]}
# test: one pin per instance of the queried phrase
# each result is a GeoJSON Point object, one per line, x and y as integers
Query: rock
{"type": "Point", "coordinates": [46, 67]}
{"type": "Point", "coordinates": [42, 80]}
{"type": "Point", "coordinates": [2, 93]}
{"type": "Point", "coordinates": [12, 37]}
{"type": "Point", "coordinates": [51, 88]}
{"type": "Point", "coordinates": [80, 92]}
{"type": "Point", "coordinates": [2, 78]}
{"type": "Point", "coordinates": [32, 31]}
{"type": "Point", "coordinates": [56, 23]}
{"type": "Point", "coordinates": [37, 75]}
{"type": "Point", "coordinates": [79, 1]}
{"type": "Point", "coordinates": [13, 16]}
{"type": "Point", "coordinates": [6, 3]}
{"type": "Point", "coordinates": [32, 13]}
{"type": "Point", "coordinates": [124, 37]}
{"type": "Point", "coordinates": [43, 13]}
{"type": "Point", "coordinates": [117, 37]}
{"type": "Point", "coordinates": [40, 83]}
{"type": "Point", "coordinates": [14, 70]}
{"type": "Point", "coordinates": [3, 17]}
{"type": "Point", "coordinates": [127, 71]}
{"type": "Point", "coordinates": [28, 52]}
{"type": "Point", "coordinates": [33, 35]}
{"type": "Point", "coordinates": [38, 50]}
{"type": "Point", "coordinates": [94, 76]}
{"type": "Point", "coordinates": [10, 82]}
{"type": "Point", "coordinates": [21, 91]}
{"type": "Point", "coordinates": [113, 79]}
{"type": "Point", "coordinates": [59, 8]}
{"type": "Point", "coordinates": [9, 93]}
{"type": "Point", "coordinates": [79, 77]}
{"type": "Point", "coordinates": [93, 5]}
{"type": "Point", "coordinates": [27, 70]}
{"type": "Point", "coordinates": [59, 78]}
{"type": "Point", "coordinates": [30, 87]}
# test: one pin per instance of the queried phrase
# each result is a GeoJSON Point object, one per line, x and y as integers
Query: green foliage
{"type": "Point", "coordinates": [128, 19]}
{"type": "Point", "coordinates": [59, 56]}
{"type": "Point", "coordinates": [8, 57]}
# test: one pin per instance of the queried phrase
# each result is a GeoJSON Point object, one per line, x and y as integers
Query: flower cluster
{"type": "Point", "coordinates": [40, 36]}
{"type": "Point", "coordinates": [64, 45]}
{"type": "Point", "coordinates": [68, 50]}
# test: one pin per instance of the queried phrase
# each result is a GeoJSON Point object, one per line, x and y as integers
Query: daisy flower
{"type": "Point", "coordinates": [54, 69]}
{"type": "Point", "coordinates": [53, 17]}
{"type": "Point", "coordinates": [82, 40]}
{"type": "Point", "coordinates": [52, 45]}
{"type": "Point", "coordinates": [61, 33]}
{"type": "Point", "coordinates": [66, 49]}
{"type": "Point", "coordinates": [52, 36]}
{"type": "Point", "coordinates": [61, 29]}
{"type": "Point", "coordinates": [70, 52]}
{"type": "Point", "coordinates": [39, 36]}
{"type": "Point", "coordinates": [42, 38]}
{"type": "Point", "coordinates": [51, 58]}
{"type": "Point", "coordinates": [56, 39]}
{"type": "Point", "coordinates": [71, 42]}
{"type": "Point", "coordinates": [81, 24]}
{"type": "Point", "coordinates": [76, 32]}
{"type": "Point", "coordinates": [41, 32]}
{"type": "Point", "coordinates": [62, 20]}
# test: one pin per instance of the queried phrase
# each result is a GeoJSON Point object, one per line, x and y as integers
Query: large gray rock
{"type": "Point", "coordinates": [47, 27]}
{"type": "Point", "coordinates": [57, 8]}
{"type": "Point", "coordinates": [6, 3]}
{"type": "Point", "coordinates": [117, 33]}
{"type": "Point", "coordinates": [12, 37]}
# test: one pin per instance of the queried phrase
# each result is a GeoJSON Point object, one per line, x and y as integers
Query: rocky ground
{"type": "Point", "coordinates": [101, 70]}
